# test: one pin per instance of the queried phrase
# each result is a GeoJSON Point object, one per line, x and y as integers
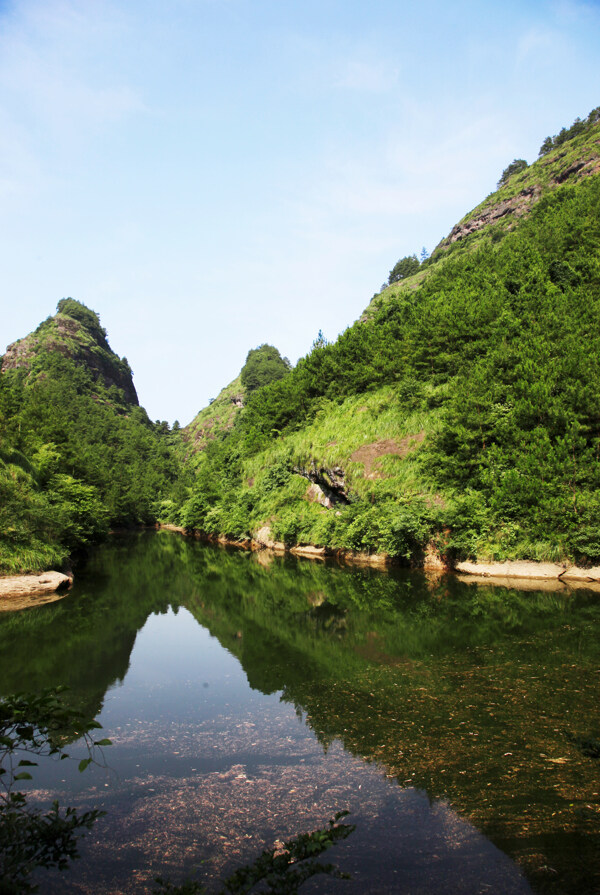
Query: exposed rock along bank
{"type": "Point", "coordinates": [23, 591]}
{"type": "Point", "coordinates": [262, 540]}
{"type": "Point", "coordinates": [500, 572]}
{"type": "Point", "coordinates": [533, 570]}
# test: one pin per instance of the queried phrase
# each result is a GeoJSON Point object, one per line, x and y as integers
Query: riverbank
{"type": "Point", "coordinates": [539, 575]}
{"type": "Point", "coordinates": [262, 541]}
{"type": "Point", "coordinates": [24, 591]}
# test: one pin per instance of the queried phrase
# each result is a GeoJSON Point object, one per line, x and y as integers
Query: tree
{"type": "Point", "coordinates": [403, 268]}
{"type": "Point", "coordinates": [282, 869]}
{"type": "Point", "coordinates": [70, 307]}
{"type": "Point", "coordinates": [319, 342]}
{"type": "Point", "coordinates": [37, 726]}
{"type": "Point", "coordinates": [263, 365]}
{"type": "Point", "coordinates": [518, 164]}
{"type": "Point", "coordinates": [594, 116]}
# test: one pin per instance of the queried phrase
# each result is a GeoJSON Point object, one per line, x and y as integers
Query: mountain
{"type": "Point", "coordinates": [460, 416]}
{"type": "Point", "coordinates": [218, 418]}
{"type": "Point", "coordinates": [74, 332]}
{"type": "Point", "coordinates": [263, 365]}
{"type": "Point", "coordinates": [77, 453]}
{"type": "Point", "coordinates": [461, 413]}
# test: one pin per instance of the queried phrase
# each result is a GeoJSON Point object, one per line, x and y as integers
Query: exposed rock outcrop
{"type": "Point", "coordinates": [576, 573]}
{"type": "Point", "coordinates": [540, 571]}
{"type": "Point", "coordinates": [263, 538]}
{"type": "Point", "coordinates": [84, 343]}
{"type": "Point", "coordinates": [329, 480]}
{"type": "Point", "coordinates": [22, 591]}
{"type": "Point", "coordinates": [522, 569]}
{"type": "Point", "coordinates": [310, 551]}
{"type": "Point", "coordinates": [515, 207]}
{"type": "Point", "coordinates": [315, 494]}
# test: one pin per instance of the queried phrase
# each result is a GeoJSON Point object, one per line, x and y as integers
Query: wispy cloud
{"type": "Point", "coordinates": [538, 42]}
{"type": "Point", "coordinates": [47, 67]}
{"type": "Point", "coordinates": [365, 75]}
{"type": "Point", "coordinates": [578, 10]}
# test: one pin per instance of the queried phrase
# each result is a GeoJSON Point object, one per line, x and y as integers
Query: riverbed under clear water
{"type": "Point", "coordinates": [250, 697]}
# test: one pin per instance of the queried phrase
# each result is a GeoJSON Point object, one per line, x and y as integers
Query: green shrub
{"type": "Point", "coordinates": [263, 366]}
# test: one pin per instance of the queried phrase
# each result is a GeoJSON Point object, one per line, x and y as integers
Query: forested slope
{"type": "Point", "coordinates": [464, 407]}
{"type": "Point", "coordinates": [461, 413]}
{"type": "Point", "coordinates": [77, 453]}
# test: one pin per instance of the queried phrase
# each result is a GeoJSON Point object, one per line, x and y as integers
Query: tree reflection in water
{"type": "Point", "coordinates": [478, 696]}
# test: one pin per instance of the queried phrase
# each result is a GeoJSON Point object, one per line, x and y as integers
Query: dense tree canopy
{"type": "Point", "coordinates": [263, 366]}
{"type": "Point", "coordinates": [518, 164]}
{"type": "Point", "coordinates": [501, 346]}
{"type": "Point", "coordinates": [403, 268]}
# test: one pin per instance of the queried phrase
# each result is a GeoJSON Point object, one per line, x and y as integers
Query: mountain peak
{"type": "Point", "coordinates": [564, 160]}
{"type": "Point", "coordinates": [74, 332]}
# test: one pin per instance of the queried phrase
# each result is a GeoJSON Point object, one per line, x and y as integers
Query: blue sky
{"type": "Point", "coordinates": [209, 175]}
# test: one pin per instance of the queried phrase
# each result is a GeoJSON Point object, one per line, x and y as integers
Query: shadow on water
{"type": "Point", "coordinates": [479, 696]}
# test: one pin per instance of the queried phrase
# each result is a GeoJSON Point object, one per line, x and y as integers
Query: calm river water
{"type": "Point", "coordinates": [249, 697]}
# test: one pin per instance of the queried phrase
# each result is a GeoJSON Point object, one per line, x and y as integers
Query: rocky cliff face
{"type": "Point", "coordinates": [75, 333]}
{"type": "Point", "coordinates": [512, 208]}
{"type": "Point", "coordinates": [574, 160]}
{"type": "Point", "coordinates": [568, 164]}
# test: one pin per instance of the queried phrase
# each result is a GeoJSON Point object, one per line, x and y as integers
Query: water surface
{"type": "Point", "coordinates": [249, 698]}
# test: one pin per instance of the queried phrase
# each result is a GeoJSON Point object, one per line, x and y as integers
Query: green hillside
{"type": "Point", "coordinates": [568, 157]}
{"type": "Point", "coordinates": [263, 365]}
{"type": "Point", "coordinates": [77, 453]}
{"type": "Point", "coordinates": [462, 410]}
{"type": "Point", "coordinates": [216, 419]}
{"type": "Point", "coordinates": [460, 415]}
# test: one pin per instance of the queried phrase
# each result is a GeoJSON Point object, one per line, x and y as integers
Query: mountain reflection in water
{"type": "Point", "coordinates": [247, 703]}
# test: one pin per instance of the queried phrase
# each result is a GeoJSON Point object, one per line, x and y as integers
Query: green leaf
{"type": "Point", "coordinates": [25, 763]}
{"type": "Point", "coordinates": [25, 731]}
{"type": "Point", "coordinates": [104, 742]}
{"type": "Point", "coordinates": [84, 763]}
{"type": "Point", "coordinates": [24, 775]}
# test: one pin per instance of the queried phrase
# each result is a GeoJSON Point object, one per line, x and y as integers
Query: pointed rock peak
{"type": "Point", "coordinates": [75, 332]}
